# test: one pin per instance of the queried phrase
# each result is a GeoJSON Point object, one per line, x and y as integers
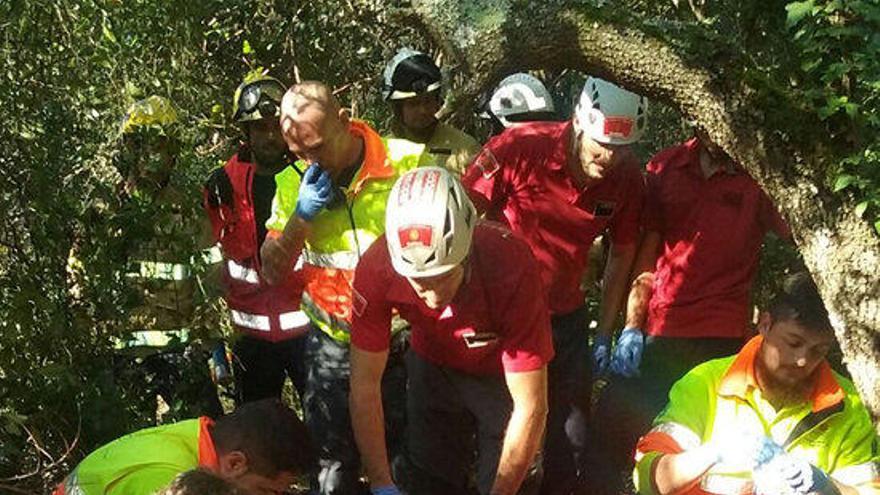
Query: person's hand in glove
{"type": "Point", "coordinates": [315, 192]}
{"type": "Point", "coordinates": [786, 474]}
{"type": "Point", "coordinates": [601, 354]}
{"type": "Point", "coordinates": [744, 451]}
{"type": "Point", "coordinates": [627, 355]}
{"type": "Point", "coordinates": [219, 364]}
{"type": "Point", "coordinates": [385, 490]}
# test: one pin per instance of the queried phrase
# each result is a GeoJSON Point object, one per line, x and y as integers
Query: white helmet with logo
{"type": "Point", "coordinates": [519, 95]}
{"type": "Point", "coordinates": [429, 223]}
{"type": "Point", "coordinates": [610, 114]}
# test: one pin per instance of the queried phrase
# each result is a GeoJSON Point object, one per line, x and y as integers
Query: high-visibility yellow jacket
{"type": "Point", "coordinates": [340, 235]}
{"type": "Point", "coordinates": [720, 400]}
{"type": "Point", "coordinates": [449, 148]}
{"type": "Point", "coordinates": [143, 462]}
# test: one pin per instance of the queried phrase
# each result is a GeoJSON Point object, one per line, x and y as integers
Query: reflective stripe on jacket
{"type": "Point", "coordinates": [720, 401]}
{"type": "Point", "coordinates": [267, 312]}
{"type": "Point", "coordinates": [340, 235]}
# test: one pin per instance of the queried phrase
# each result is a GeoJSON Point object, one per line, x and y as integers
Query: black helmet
{"type": "Point", "coordinates": [409, 74]}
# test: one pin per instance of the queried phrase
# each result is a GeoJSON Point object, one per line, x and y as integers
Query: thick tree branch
{"type": "Point", "coordinates": [770, 136]}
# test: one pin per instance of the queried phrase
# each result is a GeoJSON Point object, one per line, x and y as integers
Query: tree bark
{"type": "Point", "coordinates": [756, 125]}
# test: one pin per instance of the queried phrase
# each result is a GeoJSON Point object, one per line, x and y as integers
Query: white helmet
{"type": "Point", "coordinates": [610, 114]}
{"type": "Point", "coordinates": [429, 223]}
{"type": "Point", "coordinates": [519, 95]}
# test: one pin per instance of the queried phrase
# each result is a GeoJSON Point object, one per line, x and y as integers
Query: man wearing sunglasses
{"type": "Point", "coordinates": [560, 185]}
{"type": "Point", "coordinates": [238, 198]}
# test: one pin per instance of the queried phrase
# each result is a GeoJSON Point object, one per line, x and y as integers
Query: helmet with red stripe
{"type": "Point", "coordinates": [429, 223]}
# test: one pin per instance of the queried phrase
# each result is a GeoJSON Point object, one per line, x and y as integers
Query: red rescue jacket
{"type": "Point", "coordinates": [267, 312]}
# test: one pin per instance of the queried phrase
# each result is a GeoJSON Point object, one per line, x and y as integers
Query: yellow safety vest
{"type": "Point", "coordinates": [339, 236]}
{"type": "Point", "coordinates": [719, 401]}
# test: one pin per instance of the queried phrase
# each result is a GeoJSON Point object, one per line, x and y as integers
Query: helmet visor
{"type": "Point", "coordinates": [259, 100]}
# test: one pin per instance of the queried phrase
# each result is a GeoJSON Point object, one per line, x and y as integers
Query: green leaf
{"type": "Point", "coordinates": [796, 11]}
{"type": "Point", "coordinates": [877, 226]}
{"type": "Point", "coordinates": [861, 207]}
{"type": "Point", "coordinates": [108, 34]}
{"type": "Point", "coordinates": [246, 48]}
{"type": "Point", "coordinates": [843, 182]}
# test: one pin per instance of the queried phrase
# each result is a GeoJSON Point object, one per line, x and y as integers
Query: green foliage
{"type": "Point", "coordinates": [838, 78]}
{"type": "Point", "coordinates": [68, 72]}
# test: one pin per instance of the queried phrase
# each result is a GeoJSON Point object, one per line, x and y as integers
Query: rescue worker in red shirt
{"type": "Point", "coordinates": [480, 343]}
{"type": "Point", "coordinates": [560, 185]}
{"type": "Point", "coordinates": [261, 447]}
{"type": "Point", "coordinates": [705, 222]}
{"type": "Point", "coordinates": [238, 200]}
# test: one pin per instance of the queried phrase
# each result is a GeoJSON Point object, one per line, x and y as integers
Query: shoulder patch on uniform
{"type": "Point", "coordinates": [359, 302]}
{"type": "Point", "coordinates": [487, 163]}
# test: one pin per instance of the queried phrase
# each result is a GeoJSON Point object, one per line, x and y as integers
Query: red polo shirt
{"type": "Point", "coordinates": [711, 235]}
{"type": "Point", "coordinates": [497, 322]}
{"type": "Point", "coordinates": [527, 185]}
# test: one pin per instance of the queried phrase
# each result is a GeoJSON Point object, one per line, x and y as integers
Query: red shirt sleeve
{"type": "Point", "coordinates": [528, 343]}
{"type": "Point", "coordinates": [483, 179]}
{"type": "Point", "coordinates": [771, 220]}
{"type": "Point", "coordinates": [626, 225]}
{"type": "Point", "coordinates": [371, 311]}
{"type": "Point", "coordinates": [652, 213]}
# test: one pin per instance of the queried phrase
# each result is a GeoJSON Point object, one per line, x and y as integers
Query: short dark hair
{"type": "Point", "coordinates": [271, 436]}
{"type": "Point", "coordinates": [799, 301]}
{"type": "Point", "coordinates": [200, 482]}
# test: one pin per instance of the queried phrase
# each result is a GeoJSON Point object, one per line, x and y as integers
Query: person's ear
{"type": "Point", "coordinates": [233, 464]}
{"type": "Point", "coordinates": [764, 323]}
{"type": "Point", "coordinates": [344, 116]}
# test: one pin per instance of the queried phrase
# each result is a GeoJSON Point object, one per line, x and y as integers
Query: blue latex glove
{"type": "Point", "coordinates": [385, 490]}
{"type": "Point", "coordinates": [219, 363]}
{"type": "Point", "coordinates": [315, 192]}
{"type": "Point", "coordinates": [745, 451]}
{"type": "Point", "coordinates": [627, 355]}
{"type": "Point", "coordinates": [601, 354]}
{"type": "Point", "coordinates": [786, 474]}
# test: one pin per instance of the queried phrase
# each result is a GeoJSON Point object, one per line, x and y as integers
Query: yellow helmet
{"type": "Point", "coordinates": [257, 98]}
{"type": "Point", "coordinates": [152, 111]}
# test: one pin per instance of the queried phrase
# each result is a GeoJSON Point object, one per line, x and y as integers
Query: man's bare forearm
{"type": "Point", "coordinates": [280, 250]}
{"type": "Point", "coordinates": [642, 288]}
{"type": "Point", "coordinates": [614, 286]}
{"type": "Point", "coordinates": [674, 472]}
{"type": "Point", "coordinates": [368, 423]}
{"type": "Point", "coordinates": [294, 235]}
{"type": "Point", "coordinates": [525, 431]}
{"type": "Point", "coordinates": [367, 415]}
{"type": "Point", "coordinates": [637, 302]}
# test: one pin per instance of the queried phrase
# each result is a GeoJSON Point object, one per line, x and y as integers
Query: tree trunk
{"type": "Point", "coordinates": [757, 126]}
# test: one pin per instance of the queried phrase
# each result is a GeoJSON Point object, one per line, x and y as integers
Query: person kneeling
{"type": "Point", "coordinates": [261, 447]}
